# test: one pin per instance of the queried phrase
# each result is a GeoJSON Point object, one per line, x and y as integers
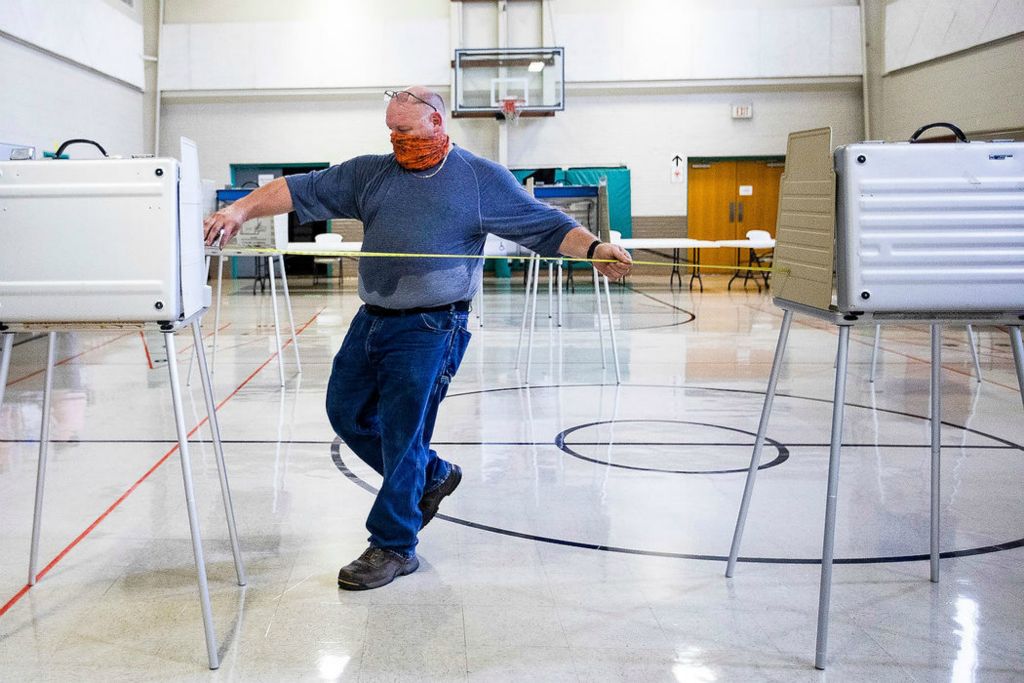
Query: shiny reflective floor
{"type": "Point", "coordinates": [587, 540]}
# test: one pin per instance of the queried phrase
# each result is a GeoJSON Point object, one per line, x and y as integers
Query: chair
{"type": "Point", "coordinates": [326, 240]}
{"type": "Point", "coordinates": [756, 239]}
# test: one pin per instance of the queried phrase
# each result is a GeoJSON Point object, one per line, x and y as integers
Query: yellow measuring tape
{"type": "Point", "coordinates": [485, 257]}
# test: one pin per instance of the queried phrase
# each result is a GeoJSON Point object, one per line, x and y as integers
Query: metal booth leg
{"type": "Point", "coordinates": [936, 443]}
{"type": "Point", "coordinates": [828, 542]}
{"type": "Point", "coordinates": [1018, 358]}
{"type": "Point", "coordinates": [611, 329]}
{"type": "Point", "coordinates": [560, 300]}
{"type": "Point", "coordinates": [218, 448]}
{"type": "Point", "coordinates": [551, 290]}
{"type": "Point", "coordinates": [526, 310]}
{"type": "Point", "coordinates": [762, 428]}
{"type": "Point", "coordinates": [44, 445]}
{"type": "Point", "coordinates": [600, 315]}
{"type": "Point", "coordinates": [190, 501]}
{"type": "Point", "coordinates": [277, 322]}
{"type": "Point", "coordinates": [291, 318]}
{"type": "Point", "coordinates": [5, 362]}
{"type": "Point", "coordinates": [192, 354]}
{"type": "Point", "coordinates": [533, 318]}
{"type": "Point", "coordinates": [216, 312]}
{"type": "Point", "coordinates": [874, 352]}
{"type": "Point", "coordinates": [974, 352]}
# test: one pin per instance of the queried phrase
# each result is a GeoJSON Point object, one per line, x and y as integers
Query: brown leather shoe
{"type": "Point", "coordinates": [376, 567]}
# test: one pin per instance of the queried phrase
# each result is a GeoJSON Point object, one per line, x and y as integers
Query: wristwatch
{"type": "Point", "coordinates": [593, 247]}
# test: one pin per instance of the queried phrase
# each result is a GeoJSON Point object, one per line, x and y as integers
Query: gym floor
{"type": "Point", "coordinates": [587, 540]}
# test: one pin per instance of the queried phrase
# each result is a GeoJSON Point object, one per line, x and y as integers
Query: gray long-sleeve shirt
{"type": "Point", "coordinates": [448, 213]}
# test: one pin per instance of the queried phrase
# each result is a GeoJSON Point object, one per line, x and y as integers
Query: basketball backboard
{"type": "Point", "coordinates": [485, 78]}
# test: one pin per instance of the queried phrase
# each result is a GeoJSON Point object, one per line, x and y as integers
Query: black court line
{"type": "Point", "coordinates": [323, 442]}
{"type": "Point", "coordinates": [30, 339]}
{"type": "Point", "coordinates": [783, 452]}
{"type": "Point", "coordinates": [778, 394]}
{"type": "Point", "coordinates": [343, 468]}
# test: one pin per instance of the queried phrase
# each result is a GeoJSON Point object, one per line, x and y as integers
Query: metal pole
{"type": "Point", "coordinates": [44, 444]}
{"type": "Point", "coordinates": [190, 501]}
{"type": "Point", "coordinates": [762, 428]}
{"type": "Point", "coordinates": [874, 352]}
{"type": "Point", "coordinates": [560, 300]}
{"type": "Point", "coordinates": [533, 319]}
{"type": "Point", "coordinates": [526, 311]}
{"type": "Point", "coordinates": [192, 354]}
{"type": "Point", "coordinates": [218, 449]}
{"type": "Point", "coordinates": [5, 362]}
{"type": "Point", "coordinates": [291, 319]}
{"type": "Point", "coordinates": [551, 290]}
{"type": "Point", "coordinates": [600, 316]}
{"type": "Point", "coordinates": [936, 425]}
{"type": "Point", "coordinates": [974, 352]}
{"type": "Point", "coordinates": [216, 312]}
{"type": "Point", "coordinates": [828, 542]}
{"type": "Point", "coordinates": [1018, 358]}
{"type": "Point", "coordinates": [277, 323]}
{"type": "Point", "coordinates": [611, 330]}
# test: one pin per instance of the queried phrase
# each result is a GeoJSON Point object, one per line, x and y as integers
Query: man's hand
{"type": "Point", "coordinates": [228, 220]}
{"type": "Point", "coordinates": [614, 271]}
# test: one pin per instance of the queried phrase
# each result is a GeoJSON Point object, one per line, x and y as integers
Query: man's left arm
{"type": "Point", "coordinates": [577, 243]}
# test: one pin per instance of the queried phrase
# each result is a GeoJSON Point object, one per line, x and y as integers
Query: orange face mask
{"type": "Point", "coordinates": [418, 154]}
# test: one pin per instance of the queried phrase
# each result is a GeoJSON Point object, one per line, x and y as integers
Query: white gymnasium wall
{"type": "Point", "coordinates": [53, 92]}
{"type": "Point", "coordinates": [647, 79]}
{"type": "Point", "coordinates": [917, 31]}
{"type": "Point", "coordinates": [946, 61]}
{"type": "Point", "coordinates": [644, 133]}
{"type": "Point", "coordinates": [284, 130]}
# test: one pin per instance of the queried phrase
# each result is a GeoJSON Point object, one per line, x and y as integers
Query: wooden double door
{"type": "Point", "coordinates": [728, 197]}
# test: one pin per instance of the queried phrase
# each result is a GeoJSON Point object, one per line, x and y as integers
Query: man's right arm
{"type": "Point", "coordinates": [271, 199]}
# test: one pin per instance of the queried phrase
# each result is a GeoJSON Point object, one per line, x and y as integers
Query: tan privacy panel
{"type": "Point", "coordinates": [805, 241]}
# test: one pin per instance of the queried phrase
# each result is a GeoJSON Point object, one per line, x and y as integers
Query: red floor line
{"type": "Point", "coordinates": [145, 347]}
{"type": "Point", "coordinates": [21, 593]}
{"type": "Point", "coordinates": [69, 358]}
{"type": "Point", "coordinates": [207, 335]}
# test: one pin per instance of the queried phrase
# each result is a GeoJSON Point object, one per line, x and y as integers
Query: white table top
{"type": "Point", "coordinates": [664, 243]}
{"type": "Point", "coordinates": [747, 244]}
{"type": "Point", "coordinates": [294, 247]}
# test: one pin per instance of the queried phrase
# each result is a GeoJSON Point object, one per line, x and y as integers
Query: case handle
{"type": "Point", "coordinates": [67, 143]}
{"type": "Point", "coordinates": [956, 131]}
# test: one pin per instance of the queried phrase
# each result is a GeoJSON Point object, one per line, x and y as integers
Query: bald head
{"type": "Point", "coordinates": [417, 111]}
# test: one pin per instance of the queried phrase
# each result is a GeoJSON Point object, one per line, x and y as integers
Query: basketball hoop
{"type": "Point", "coordinates": [510, 109]}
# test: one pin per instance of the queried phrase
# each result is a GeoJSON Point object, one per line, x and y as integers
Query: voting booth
{"type": "Point", "coordinates": [904, 233]}
{"type": "Point", "coordinates": [110, 243]}
{"type": "Point", "coordinates": [102, 241]}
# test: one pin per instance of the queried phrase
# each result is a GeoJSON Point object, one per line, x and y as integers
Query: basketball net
{"type": "Point", "coordinates": [510, 109]}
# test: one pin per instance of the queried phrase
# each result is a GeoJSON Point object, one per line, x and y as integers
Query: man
{"type": "Point", "coordinates": [405, 344]}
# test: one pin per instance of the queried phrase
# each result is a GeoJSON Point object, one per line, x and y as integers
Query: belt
{"type": "Point", "coordinates": [390, 312]}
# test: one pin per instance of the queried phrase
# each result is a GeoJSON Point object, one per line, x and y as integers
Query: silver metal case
{"type": "Point", "coordinates": [101, 241]}
{"type": "Point", "coordinates": [928, 227]}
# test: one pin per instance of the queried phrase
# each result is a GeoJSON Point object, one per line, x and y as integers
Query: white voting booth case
{"type": "Point", "coordinates": [893, 232]}
{"type": "Point", "coordinates": [930, 227]}
{"type": "Point", "coordinates": [111, 243]}
{"type": "Point", "coordinates": [102, 241]}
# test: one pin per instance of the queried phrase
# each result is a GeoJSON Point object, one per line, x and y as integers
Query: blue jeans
{"type": "Point", "coordinates": [388, 379]}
